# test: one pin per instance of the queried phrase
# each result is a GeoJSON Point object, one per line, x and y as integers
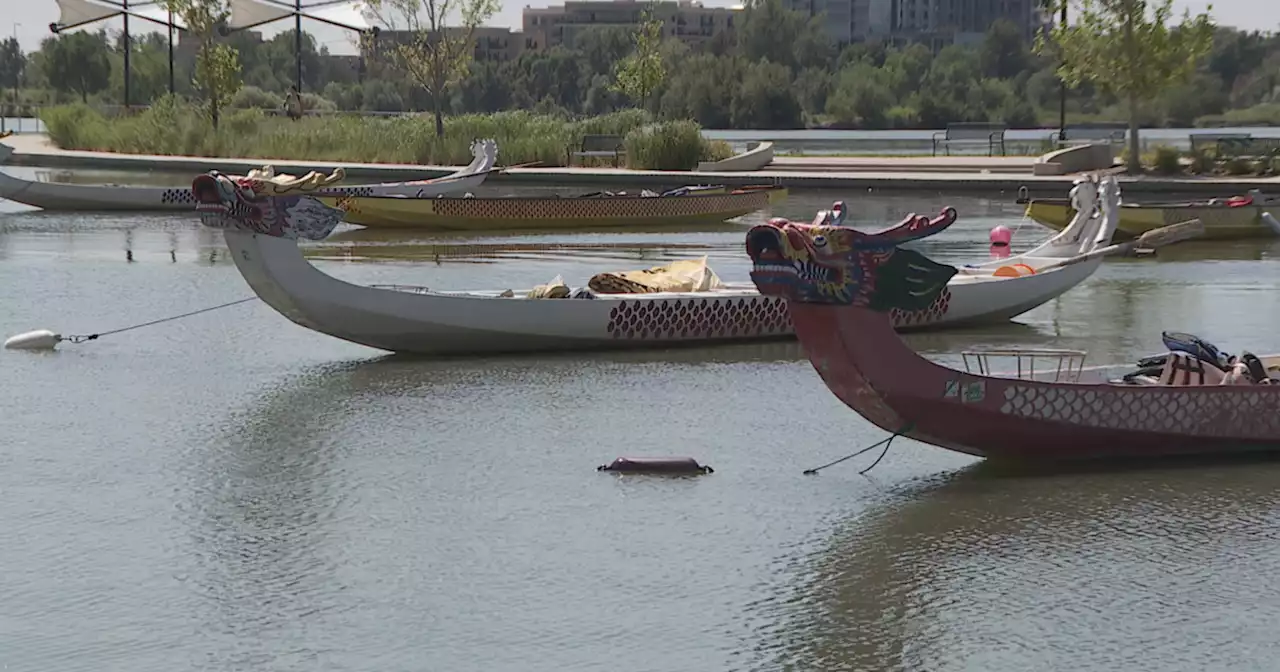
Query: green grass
{"type": "Point", "coordinates": [176, 128]}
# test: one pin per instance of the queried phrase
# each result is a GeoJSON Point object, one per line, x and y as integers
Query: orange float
{"type": "Point", "coordinates": [1014, 271]}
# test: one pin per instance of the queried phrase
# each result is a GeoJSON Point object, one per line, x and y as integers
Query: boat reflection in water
{"type": "Point", "coordinates": [1151, 569]}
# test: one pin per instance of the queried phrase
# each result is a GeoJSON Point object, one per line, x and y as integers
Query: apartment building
{"type": "Point", "coordinates": [933, 22]}
{"type": "Point", "coordinates": [850, 20]}
{"type": "Point", "coordinates": [686, 20]}
{"type": "Point", "coordinates": [490, 43]}
{"type": "Point", "coordinates": [962, 21]}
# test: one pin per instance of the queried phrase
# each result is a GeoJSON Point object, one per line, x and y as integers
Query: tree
{"type": "Point", "coordinates": [77, 62]}
{"type": "Point", "coordinates": [217, 72]}
{"type": "Point", "coordinates": [1003, 52]}
{"type": "Point", "coordinates": [433, 54]}
{"type": "Point", "coordinates": [642, 71]}
{"type": "Point", "coordinates": [12, 62]}
{"type": "Point", "coordinates": [1126, 48]}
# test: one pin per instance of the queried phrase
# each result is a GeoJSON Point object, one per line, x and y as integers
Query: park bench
{"type": "Point", "coordinates": [1225, 143]}
{"type": "Point", "coordinates": [1249, 147]}
{"type": "Point", "coordinates": [971, 133]}
{"type": "Point", "coordinates": [601, 146]}
{"type": "Point", "coordinates": [1088, 133]}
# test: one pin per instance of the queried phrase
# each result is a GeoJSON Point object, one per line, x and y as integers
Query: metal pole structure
{"type": "Point", "coordinates": [1062, 101]}
{"type": "Point", "coordinates": [124, 4]}
{"type": "Point", "coordinates": [297, 39]}
{"type": "Point", "coordinates": [17, 76]}
{"type": "Point", "coordinates": [172, 89]}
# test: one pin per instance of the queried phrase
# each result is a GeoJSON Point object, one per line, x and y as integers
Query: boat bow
{"type": "Point", "coordinates": [849, 338]}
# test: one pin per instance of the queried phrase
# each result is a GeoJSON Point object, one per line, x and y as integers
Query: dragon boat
{"type": "Point", "coordinates": [681, 303]}
{"type": "Point", "coordinates": [1192, 400]}
{"type": "Point", "coordinates": [113, 197]}
{"type": "Point", "coordinates": [689, 205]}
{"type": "Point", "coordinates": [1234, 218]}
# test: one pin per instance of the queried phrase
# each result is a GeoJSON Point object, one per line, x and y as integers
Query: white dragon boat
{"type": "Point", "coordinates": [114, 197]}
{"type": "Point", "coordinates": [683, 303]}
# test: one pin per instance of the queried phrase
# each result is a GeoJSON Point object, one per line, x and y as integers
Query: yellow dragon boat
{"type": "Point", "coordinates": [683, 206]}
{"type": "Point", "coordinates": [1232, 218]}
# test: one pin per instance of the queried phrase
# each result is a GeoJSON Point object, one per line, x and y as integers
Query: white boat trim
{"type": "Point", "coordinates": [411, 319]}
{"type": "Point", "coordinates": [112, 197]}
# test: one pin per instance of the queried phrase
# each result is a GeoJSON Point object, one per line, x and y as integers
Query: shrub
{"type": "Point", "coordinates": [76, 126]}
{"type": "Point", "coordinates": [1202, 162]}
{"type": "Point", "coordinates": [1239, 166]}
{"type": "Point", "coordinates": [1166, 160]}
{"type": "Point", "coordinates": [672, 145]}
{"type": "Point", "coordinates": [253, 97]}
{"type": "Point", "coordinates": [175, 127]}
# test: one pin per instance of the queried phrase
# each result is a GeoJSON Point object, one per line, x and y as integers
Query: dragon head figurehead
{"type": "Point", "coordinates": [278, 205]}
{"type": "Point", "coordinates": [838, 265]}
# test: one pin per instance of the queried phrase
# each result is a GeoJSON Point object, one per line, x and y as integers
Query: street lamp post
{"type": "Point", "coordinates": [128, 47]}
{"type": "Point", "coordinates": [1062, 94]}
{"type": "Point", "coordinates": [172, 89]}
{"type": "Point", "coordinates": [17, 77]}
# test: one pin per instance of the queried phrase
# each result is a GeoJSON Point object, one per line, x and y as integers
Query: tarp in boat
{"type": "Point", "coordinates": [556, 289]}
{"type": "Point", "coordinates": [685, 275]}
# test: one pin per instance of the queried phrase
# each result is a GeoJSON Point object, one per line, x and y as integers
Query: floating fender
{"type": "Point", "coordinates": [1014, 271]}
{"type": "Point", "coordinates": [656, 465]}
{"type": "Point", "coordinates": [40, 339]}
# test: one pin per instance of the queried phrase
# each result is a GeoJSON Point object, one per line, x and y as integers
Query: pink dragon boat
{"type": "Point", "coordinates": [1192, 400]}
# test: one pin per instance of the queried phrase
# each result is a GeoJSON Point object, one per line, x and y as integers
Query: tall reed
{"type": "Point", "coordinates": [174, 127]}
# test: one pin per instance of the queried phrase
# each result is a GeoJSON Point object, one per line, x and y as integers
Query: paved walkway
{"type": "Point", "coordinates": [1021, 165]}
{"type": "Point", "coordinates": [989, 175]}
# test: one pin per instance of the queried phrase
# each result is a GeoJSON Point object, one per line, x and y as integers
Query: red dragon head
{"type": "Point", "coordinates": [839, 265]}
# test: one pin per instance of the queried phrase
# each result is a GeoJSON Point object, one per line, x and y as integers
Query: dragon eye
{"type": "Point", "coordinates": [819, 241]}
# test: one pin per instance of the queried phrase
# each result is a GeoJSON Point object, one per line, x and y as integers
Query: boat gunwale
{"type": "Point", "coordinates": [559, 199]}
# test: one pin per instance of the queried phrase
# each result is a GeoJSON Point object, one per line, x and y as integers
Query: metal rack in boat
{"type": "Point", "coordinates": [1044, 364]}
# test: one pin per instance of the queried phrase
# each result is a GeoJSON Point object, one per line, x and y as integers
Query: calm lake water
{"type": "Point", "coordinates": [233, 492]}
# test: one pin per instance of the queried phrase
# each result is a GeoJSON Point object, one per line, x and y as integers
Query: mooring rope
{"type": "Point", "coordinates": [883, 442]}
{"type": "Point", "coordinates": [92, 337]}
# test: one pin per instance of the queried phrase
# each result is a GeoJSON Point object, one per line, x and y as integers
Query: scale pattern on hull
{"type": "Point", "coordinates": [1241, 412]}
{"type": "Point", "coordinates": [699, 318]}
{"type": "Point", "coordinates": [177, 196]}
{"type": "Point", "coordinates": [912, 318]}
{"type": "Point", "coordinates": [590, 208]}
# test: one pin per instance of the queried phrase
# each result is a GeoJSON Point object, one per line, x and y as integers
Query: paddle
{"type": "Point", "coordinates": [1165, 235]}
{"type": "Point", "coordinates": [1271, 222]}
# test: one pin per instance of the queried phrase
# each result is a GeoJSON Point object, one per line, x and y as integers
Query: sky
{"type": "Point", "coordinates": [29, 19]}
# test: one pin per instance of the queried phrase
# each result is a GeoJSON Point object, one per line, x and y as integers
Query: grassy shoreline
{"type": "Point", "coordinates": [175, 128]}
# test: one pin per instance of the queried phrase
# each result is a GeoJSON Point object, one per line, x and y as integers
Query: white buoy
{"type": "Point", "coordinates": [40, 339]}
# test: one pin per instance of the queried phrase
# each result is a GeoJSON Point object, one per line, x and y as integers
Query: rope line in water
{"type": "Point", "coordinates": [92, 337]}
{"type": "Point", "coordinates": [883, 442]}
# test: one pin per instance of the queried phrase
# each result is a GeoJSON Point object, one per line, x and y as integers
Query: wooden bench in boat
{"type": "Point", "coordinates": [971, 133]}
{"type": "Point", "coordinates": [601, 146]}
{"type": "Point", "coordinates": [1110, 132]}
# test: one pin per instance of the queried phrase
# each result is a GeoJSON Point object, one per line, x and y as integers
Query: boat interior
{"type": "Point", "coordinates": [1252, 197]}
{"type": "Point", "coordinates": [1189, 362]}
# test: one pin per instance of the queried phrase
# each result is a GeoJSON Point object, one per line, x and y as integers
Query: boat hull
{"type": "Point", "coordinates": [487, 214]}
{"type": "Point", "coordinates": [1220, 222]}
{"type": "Point", "coordinates": [868, 367]}
{"type": "Point", "coordinates": [406, 320]}
{"type": "Point", "coordinates": [62, 196]}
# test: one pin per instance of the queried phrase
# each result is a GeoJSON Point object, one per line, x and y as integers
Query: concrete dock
{"type": "Point", "coordinates": [948, 174]}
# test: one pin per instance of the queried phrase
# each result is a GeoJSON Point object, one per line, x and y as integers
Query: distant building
{"type": "Point", "coordinates": [850, 20]}
{"type": "Point", "coordinates": [936, 23]}
{"type": "Point", "coordinates": [686, 20]}
{"type": "Point", "coordinates": [942, 22]}
{"type": "Point", "coordinates": [491, 43]}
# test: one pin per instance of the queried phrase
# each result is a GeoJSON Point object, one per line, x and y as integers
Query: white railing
{"type": "Point", "coordinates": [1065, 366]}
